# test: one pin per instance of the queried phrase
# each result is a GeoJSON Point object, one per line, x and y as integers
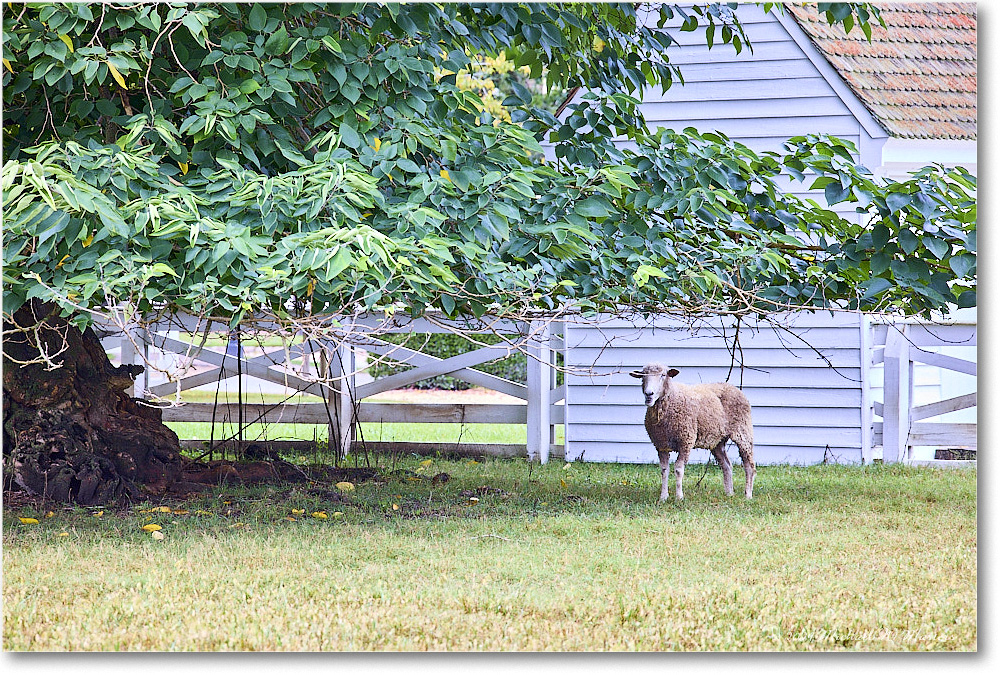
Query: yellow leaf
{"type": "Point", "coordinates": [202, 513]}
{"type": "Point", "coordinates": [68, 41]}
{"type": "Point", "coordinates": [7, 63]}
{"type": "Point", "coordinates": [599, 45]}
{"type": "Point", "coordinates": [184, 167]}
{"type": "Point", "coordinates": [310, 286]}
{"type": "Point", "coordinates": [160, 509]}
{"type": "Point", "coordinates": [444, 174]}
{"type": "Point", "coordinates": [344, 486]}
{"type": "Point", "coordinates": [118, 76]}
{"type": "Point", "coordinates": [298, 512]}
{"type": "Point", "coordinates": [180, 512]}
{"type": "Point", "coordinates": [63, 534]}
{"type": "Point", "coordinates": [377, 144]}
{"type": "Point", "coordinates": [28, 521]}
{"type": "Point", "coordinates": [60, 263]}
{"type": "Point", "coordinates": [563, 483]}
{"type": "Point", "coordinates": [338, 514]}
{"type": "Point", "coordinates": [566, 466]}
{"type": "Point", "coordinates": [427, 462]}
{"type": "Point", "coordinates": [319, 514]}
{"type": "Point", "coordinates": [50, 514]}
{"type": "Point", "coordinates": [158, 535]}
{"type": "Point", "coordinates": [395, 507]}
{"type": "Point", "coordinates": [152, 527]}
{"type": "Point", "coordinates": [98, 514]}
{"type": "Point", "coordinates": [88, 241]}
{"type": "Point", "coordinates": [473, 501]}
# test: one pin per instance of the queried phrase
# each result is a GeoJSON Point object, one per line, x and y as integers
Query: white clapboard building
{"type": "Point", "coordinates": [906, 99]}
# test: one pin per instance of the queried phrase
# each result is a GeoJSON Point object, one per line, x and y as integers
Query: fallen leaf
{"type": "Point", "coordinates": [427, 462]}
{"type": "Point", "coordinates": [319, 514]}
{"type": "Point", "coordinates": [202, 513]}
{"type": "Point", "coordinates": [345, 486]}
{"type": "Point", "coordinates": [50, 514]}
{"type": "Point", "coordinates": [29, 521]}
{"type": "Point", "coordinates": [98, 514]}
{"type": "Point", "coordinates": [158, 535]}
{"type": "Point", "coordinates": [395, 507]}
{"type": "Point", "coordinates": [180, 512]}
{"type": "Point", "coordinates": [298, 512]}
{"type": "Point", "coordinates": [338, 514]}
{"type": "Point", "coordinates": [563, 483]}
{"type": "Point", "coordinates": [567, 465]}
{"type": "Point", "coordinates": [152, 527]}
{"type": "Point", "coordinates": [63, 534]}
{"type": "Point", "coordinates": [289, 519]}
{"type": "Point", "coordinates": [473, 501]}
{"type": "Point", "coordinates": [160, 509]}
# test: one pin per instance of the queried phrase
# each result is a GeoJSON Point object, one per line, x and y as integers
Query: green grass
{"type": "Point", "coordinates": [391, 431]}
{"type": "Point", "coordinates": [553, 557]}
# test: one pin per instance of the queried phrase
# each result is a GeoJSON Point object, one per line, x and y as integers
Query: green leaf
{"type": "Point", "coordinates": [593, 207]}
{"type": "Point", "coordinates": [962, 264]}
{"type": "Point", "coordinates": [258, 18]}
{"type": "Point", "coordinates": [349, 136]}
{"type": "Point", "coordinates": [939, 247]}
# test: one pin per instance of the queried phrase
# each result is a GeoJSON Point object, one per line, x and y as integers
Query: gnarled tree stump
{"type": "Point", "coordinates": [72, 433]}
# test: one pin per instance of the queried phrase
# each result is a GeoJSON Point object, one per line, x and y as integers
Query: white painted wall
{"type": "Point", "coordinates": [805, 384]}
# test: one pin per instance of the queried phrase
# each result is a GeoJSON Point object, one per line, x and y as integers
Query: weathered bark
{"type": "Point", "coordinates": [72, 433]}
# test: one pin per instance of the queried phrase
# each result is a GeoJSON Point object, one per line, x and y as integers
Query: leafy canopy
{"type": "Point", "coordinates": [300, 160]}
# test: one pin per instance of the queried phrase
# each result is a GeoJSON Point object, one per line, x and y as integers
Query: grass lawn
{"type": "Point", "coordinates": [510, 556]}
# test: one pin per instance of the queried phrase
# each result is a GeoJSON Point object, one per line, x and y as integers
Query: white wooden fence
{"type": "Point", "coordinates": [900, 347]}
{"type": "Point", "coordinates": [809, 378]}
{"type": "Point", "coordinates": [342, 396]}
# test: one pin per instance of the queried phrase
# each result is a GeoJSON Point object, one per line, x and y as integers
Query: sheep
{"type": "Point", "coordinates": [680, 417]}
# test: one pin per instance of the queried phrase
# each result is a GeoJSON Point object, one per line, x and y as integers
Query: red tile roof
{"type": "Point", "coordinates": [917, 75]}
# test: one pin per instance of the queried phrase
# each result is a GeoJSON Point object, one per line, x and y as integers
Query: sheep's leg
{"type": "Point", "coordinates": [749, 468]}
{"type": "Point", "coordinates": [719, 452]}
{"type": "Point", "coordinates": [679, 463]}
{"type": "Point", "coordinates": [664, 473]}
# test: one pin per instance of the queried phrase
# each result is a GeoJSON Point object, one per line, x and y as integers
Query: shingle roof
{"type": "Point", "coordinates": [917, 75]}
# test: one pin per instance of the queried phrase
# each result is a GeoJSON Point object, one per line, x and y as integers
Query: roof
{"type": "Point", "coordinates": [917, 76]}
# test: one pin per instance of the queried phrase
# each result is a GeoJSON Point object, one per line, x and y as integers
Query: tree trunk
{"type": "Point", "coordinates": [71, 433]}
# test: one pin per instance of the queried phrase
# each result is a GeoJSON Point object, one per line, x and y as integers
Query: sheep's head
{"type": "Point", "coordinates": [655, 381]}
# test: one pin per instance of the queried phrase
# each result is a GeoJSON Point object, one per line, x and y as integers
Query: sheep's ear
{"type": "Point", "coordinates": [673, 372]}
{"type": "Point", "coordinates": [636, 373]}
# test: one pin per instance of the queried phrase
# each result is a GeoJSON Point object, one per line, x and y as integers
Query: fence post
{"type": "Point", "coordinates": [898, 383]}
{"type": "Point", "coordinates": [341, 403]}
{"type": "Point", "coordinates": [539, 393]}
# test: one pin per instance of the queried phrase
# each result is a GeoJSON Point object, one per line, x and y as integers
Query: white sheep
{"type": "Point", "coordinates": [680, 417]}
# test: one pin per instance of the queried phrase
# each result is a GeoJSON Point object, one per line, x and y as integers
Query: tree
{"type": "Point", "coordinates": [291, 164]}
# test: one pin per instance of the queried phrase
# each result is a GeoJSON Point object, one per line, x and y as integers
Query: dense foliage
{"type": "Point", "coordinates": [290, 161]}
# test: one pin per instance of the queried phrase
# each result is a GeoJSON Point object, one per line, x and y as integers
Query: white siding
{"type": "Point", "coordinates": [760, 97]}
{"type": "Point", "coordinates": [805, 386]}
